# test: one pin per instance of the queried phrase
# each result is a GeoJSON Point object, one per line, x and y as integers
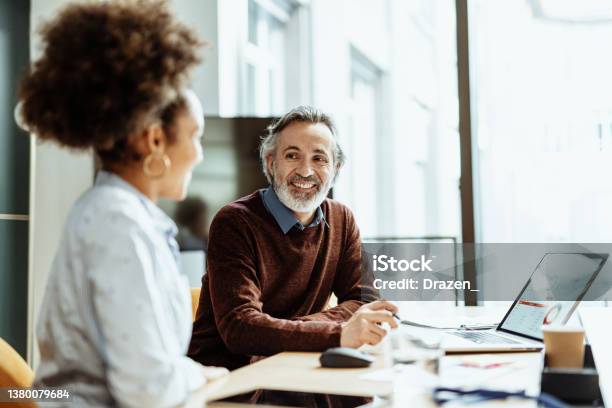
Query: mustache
{"type": "Point", "coordinates": [310, 179]}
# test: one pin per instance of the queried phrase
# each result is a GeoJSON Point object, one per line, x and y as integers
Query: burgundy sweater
{"type": "Point", "coordinates": [265, 292]}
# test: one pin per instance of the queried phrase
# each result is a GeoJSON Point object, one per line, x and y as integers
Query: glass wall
{"type": "Point", "coordinates": [387, 72]}
{"type": "Point", "coordinates": [542, 119]}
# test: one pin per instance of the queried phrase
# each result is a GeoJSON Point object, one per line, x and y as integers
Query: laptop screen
{"type": "Point", "coordinates": [552, 292]}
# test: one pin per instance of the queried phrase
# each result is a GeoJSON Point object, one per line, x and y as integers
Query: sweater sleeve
{"type": "Point", "coordinates": [353, 285]}
{"type": "Point", "coordinates": [236, 298]}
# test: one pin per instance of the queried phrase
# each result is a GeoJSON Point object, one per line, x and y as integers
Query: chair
{"type": "Point", "coordinates": [14, 371]}
{"type": "Point", "coordinates": [195, 300]}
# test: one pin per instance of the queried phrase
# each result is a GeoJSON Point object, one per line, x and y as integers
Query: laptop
{"type": "Point", "coordinates": [550, 296]}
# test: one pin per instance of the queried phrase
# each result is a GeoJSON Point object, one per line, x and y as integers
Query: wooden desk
{"type": "Point", "coordinates": [302, 372]}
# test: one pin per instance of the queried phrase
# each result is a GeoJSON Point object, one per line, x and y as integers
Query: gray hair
{"type": "Point", "coordinates": [306, 114]}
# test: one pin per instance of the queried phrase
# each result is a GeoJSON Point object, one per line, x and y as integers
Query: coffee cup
{"type": "Point", "coordinates": [564, 346]}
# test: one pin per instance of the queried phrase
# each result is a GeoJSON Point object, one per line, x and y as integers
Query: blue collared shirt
{"type": "Point", "coordinates": [284, 216]}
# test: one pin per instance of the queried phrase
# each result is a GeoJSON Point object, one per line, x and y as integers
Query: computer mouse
{"type": "Point", "coordinates": [345, 357]}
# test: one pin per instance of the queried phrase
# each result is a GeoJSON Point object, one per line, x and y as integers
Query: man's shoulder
{"type": "Point", "coordinates": [336, 209]}
{"type": "Point", "coordinates": [244, 207]}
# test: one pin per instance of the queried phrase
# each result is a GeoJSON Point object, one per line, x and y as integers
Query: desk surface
{"type": "Point", "coordinates": [302, 372]}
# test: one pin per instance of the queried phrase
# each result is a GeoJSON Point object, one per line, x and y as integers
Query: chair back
{"type": "Point", "coordinates": [195, 300]}
{"type": "Point", "coordinates": [14, 371]}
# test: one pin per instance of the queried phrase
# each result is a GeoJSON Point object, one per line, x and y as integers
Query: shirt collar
{"type": "Point", "coordinates": [161, 220]}
{"type": "Point", "coordinates": [284, 216]}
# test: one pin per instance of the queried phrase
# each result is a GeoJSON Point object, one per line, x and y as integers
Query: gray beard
{"type": "Point", "coordinates": [300, 205]}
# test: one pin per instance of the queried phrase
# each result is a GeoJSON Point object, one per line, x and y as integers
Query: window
{"type": "Point", "coordinates": [542, 120]}
{"type": "Point", "coordinates": [401, 132]}
{"type": "Point", "coordinates": [267, 45]}
{"type": "Point", "coordinates": [362, 142]}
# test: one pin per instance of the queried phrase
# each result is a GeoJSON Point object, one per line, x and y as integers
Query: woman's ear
{"type": "Point", "coordinates": [155, 138]}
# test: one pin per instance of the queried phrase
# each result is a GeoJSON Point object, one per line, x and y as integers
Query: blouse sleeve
{"type": "Point", "coordinates": [145, 364]}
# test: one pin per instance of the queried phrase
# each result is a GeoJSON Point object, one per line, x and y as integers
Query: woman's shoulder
{"type": "Point", "coordinates": [106, 210]}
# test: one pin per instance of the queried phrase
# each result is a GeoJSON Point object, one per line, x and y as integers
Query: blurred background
{"type": "Point", "coordinates": [386, 72]}
{"type": "Point", "coordinates": [463, 120]}
{"type": "Point", "coordinates": [538, 100]}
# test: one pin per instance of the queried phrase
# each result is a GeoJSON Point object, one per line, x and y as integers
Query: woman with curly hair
{"type": "Point", "coordinates": [115, 322]}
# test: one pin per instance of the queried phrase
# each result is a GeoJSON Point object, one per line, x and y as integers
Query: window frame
{"type": "Point", "coordinates": [263, 97]}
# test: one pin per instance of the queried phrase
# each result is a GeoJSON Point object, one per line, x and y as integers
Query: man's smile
{"type": "Point", "coordinates": [304, 185]}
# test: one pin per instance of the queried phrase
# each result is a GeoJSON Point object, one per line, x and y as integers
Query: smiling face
{"type": "Point", "coordinates": [302, 166]}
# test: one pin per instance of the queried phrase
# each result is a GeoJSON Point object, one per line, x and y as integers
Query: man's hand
{"type": "Point", "coordinates": [364, 326]}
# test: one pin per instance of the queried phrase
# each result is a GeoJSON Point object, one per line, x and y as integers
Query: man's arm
{"type": "Point", "coordinates": [352, 287]}
{"type": "Point", "coordinates": [236, 298]}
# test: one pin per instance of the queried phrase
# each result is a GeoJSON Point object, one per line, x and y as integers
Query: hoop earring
{"type": "Point", "coordinates": [146, 165]}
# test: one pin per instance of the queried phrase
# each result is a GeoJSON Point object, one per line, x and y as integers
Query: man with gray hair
{"type": "Point", "coordinates": [276, 256]}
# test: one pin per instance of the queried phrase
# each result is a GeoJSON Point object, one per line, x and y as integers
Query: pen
{"type": "Point", "coordinates": [426, 326]}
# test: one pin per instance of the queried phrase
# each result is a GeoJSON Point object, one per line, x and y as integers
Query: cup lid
{"type": "Point", "coordinates": [557, 328]}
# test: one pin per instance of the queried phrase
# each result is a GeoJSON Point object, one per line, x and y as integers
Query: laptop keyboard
{"type": "Point", "coordinates": [483, 337]}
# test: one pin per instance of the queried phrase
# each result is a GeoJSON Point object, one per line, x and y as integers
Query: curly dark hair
{"type": "Point", "coordinates": [107, 70]}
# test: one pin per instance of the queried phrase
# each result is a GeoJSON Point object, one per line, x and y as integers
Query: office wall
{"type": "Point", "coordinates": [58, 177]}
{"type": "Point", "coordinates": [14, 178]}
{"type": "Point", "coordinates": [202, 16]}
